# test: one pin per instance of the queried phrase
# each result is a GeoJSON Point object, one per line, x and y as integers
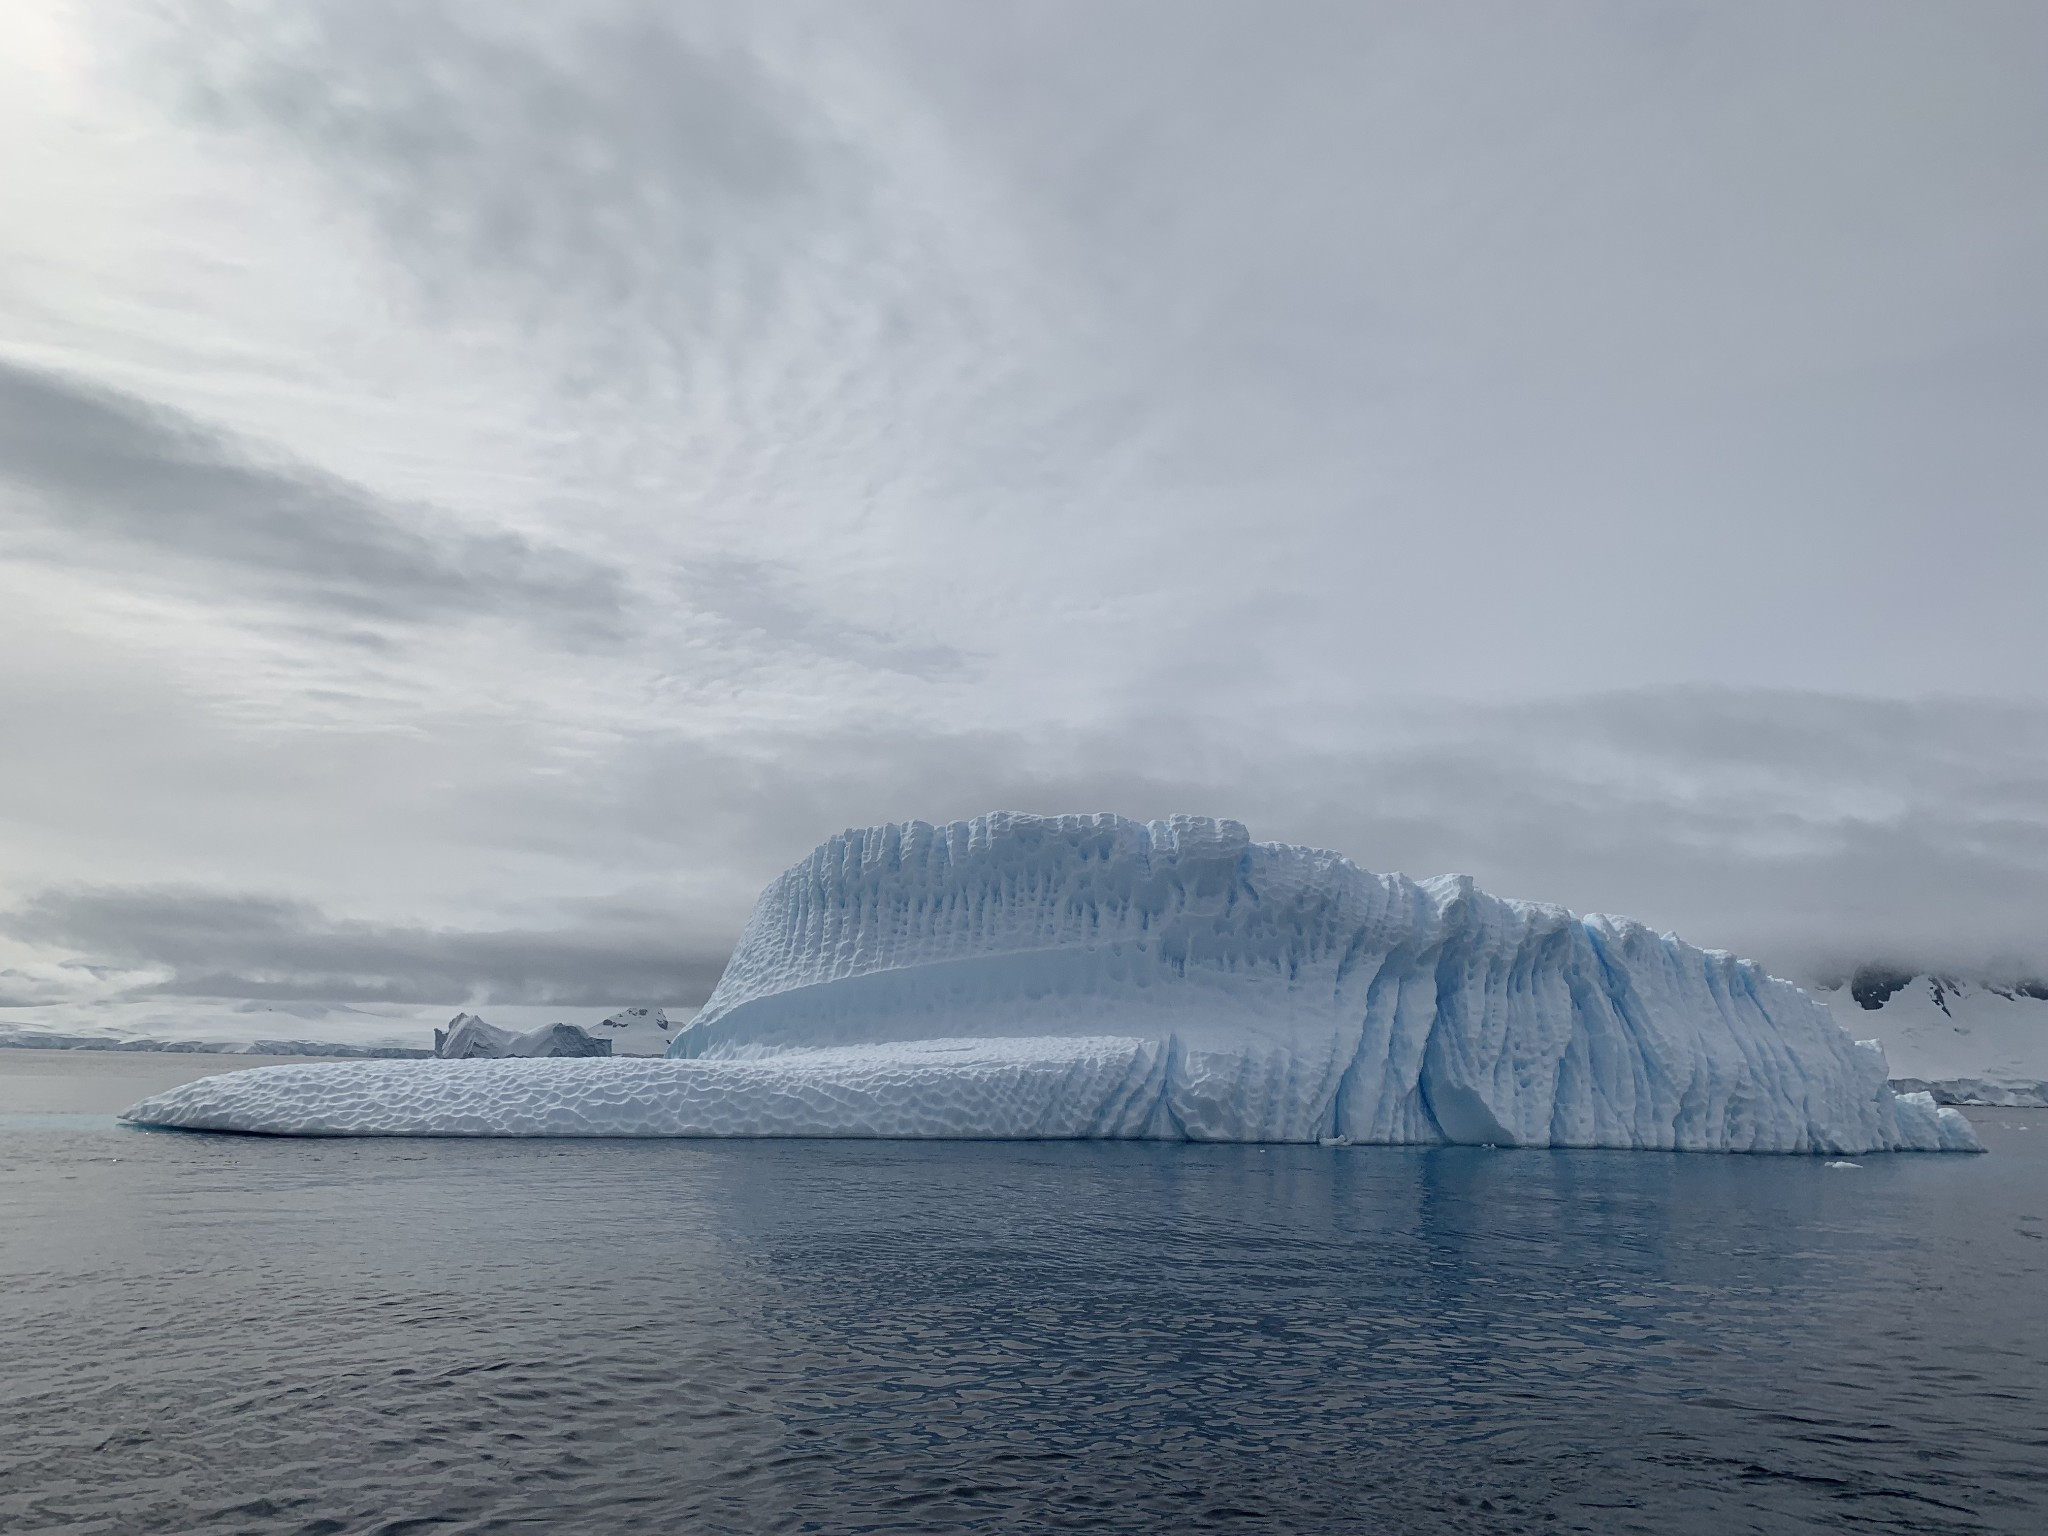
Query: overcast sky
{"type": "Point", "coordinates": [483, 487]}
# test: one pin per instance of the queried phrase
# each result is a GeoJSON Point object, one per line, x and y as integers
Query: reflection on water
{"type": "Point", "coordinates": [235, 1334]}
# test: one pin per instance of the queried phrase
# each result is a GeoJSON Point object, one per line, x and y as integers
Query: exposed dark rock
{"type": "Point", "coordinates": [1873, 985]}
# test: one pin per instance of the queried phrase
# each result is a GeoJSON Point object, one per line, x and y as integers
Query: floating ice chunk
{"type": "Point", "coordinates": [469, 1038]}
{"type": "Point", "coordinates": [1092, 976]}
{"type": "Point", "coordinates": [1297, 996]}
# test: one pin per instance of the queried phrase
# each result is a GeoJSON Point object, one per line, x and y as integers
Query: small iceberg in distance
{"type": "Point", "coordinates": [1089, 976]}
{"type": "Point", "coordinates": [469, 1038]}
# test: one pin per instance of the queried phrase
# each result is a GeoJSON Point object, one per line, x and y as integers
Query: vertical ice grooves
{"type": "Point", "coordinates": [1311, 995]}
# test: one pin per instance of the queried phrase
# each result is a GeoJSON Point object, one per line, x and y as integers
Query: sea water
{"type": "Point", "coordinates": [204, 1333]}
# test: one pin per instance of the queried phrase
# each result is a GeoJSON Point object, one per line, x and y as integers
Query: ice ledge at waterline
{"type": "Point", "coordinates": [1088, 976]}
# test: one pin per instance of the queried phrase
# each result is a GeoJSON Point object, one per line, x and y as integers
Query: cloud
{"type": "Point", "coordinates": [1812, 832]}
{"type": "Point", "coordinates": [239, 945]}
{"type": "Point", "coordinates": [759, 599]}
{"type": "Point", "coordinates": [619, 163]}
{"type": "Point", "coordinates": [104, 477]}
{"type": "Point", "coordinates": [1352, 422]}
{"type": "Point", "coordinates": [1602, 332]}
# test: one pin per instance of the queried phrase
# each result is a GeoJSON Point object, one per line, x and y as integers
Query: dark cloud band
{"type": "Point", "coordinates": [104, 478]}
{"type": "Point", "coordinates": [260, 947]}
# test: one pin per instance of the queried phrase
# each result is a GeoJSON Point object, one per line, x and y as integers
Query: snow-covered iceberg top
{"type": "Point", "coordinates": [1092, 976]}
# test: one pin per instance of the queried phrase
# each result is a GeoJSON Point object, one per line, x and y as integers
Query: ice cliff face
{"type": "Point", "coordinates": [1088, 976]}
{"type": "Point", "coordinates": [1294, 996]}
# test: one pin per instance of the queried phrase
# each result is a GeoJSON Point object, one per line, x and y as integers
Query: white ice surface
{"type": "Point", "coordinates": [469, 1037]}
{"type": "Point", "coordinates": [1017, 1088]}
{"type": "Point", "coordinates": [1091, 976]}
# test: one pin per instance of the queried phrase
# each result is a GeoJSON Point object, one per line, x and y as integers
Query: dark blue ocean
{"type": "Point", "coordinates": [213, 1334]}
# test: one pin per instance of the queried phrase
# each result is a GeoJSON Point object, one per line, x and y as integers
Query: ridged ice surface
{"type": "Point", "coordinates": [1092, 976]}
{"type": "Point", "coordinates": [1061, 1089]}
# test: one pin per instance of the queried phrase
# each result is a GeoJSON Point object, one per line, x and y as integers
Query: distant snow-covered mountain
{"type": "Point", "coordinates": [240, 1026]}
{"type": "Point", "coordinates": [1967, 1042]}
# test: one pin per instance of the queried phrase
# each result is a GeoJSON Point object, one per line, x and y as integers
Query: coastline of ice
{"type": "Point", "coordinates": [1088, 976]}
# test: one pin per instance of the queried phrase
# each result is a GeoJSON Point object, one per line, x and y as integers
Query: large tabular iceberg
{"type": "Point", "coordinates": [1088, 976]}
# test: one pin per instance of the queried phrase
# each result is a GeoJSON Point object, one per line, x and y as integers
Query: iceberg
{"type": "Point", "coordinates": [1089, 976]}
{"type": "Point", "coordinates": [469, 1037]}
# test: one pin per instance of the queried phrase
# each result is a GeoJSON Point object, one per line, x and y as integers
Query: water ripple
{"type": "Point", "coordinates": [233, 1335]}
